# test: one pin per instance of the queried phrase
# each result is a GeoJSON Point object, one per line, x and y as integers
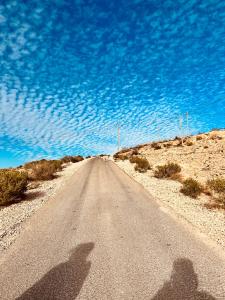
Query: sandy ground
{"type": "Point", "coordinates": [209, 222]}
{"type": "Point", "coordinates": [200, 157]}
{"type": "Point", "coordinates": [12, 217]}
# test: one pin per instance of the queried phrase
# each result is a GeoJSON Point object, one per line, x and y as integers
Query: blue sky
{"type": "Point", "coordinates": [72, 70]}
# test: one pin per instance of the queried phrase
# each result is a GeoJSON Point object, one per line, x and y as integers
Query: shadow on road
{"type": "Point", "coordinates": [65, 280]}
{"type": "Point", "coordinates": [183, 284]}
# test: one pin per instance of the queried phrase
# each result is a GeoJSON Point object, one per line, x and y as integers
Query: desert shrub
{"type": "Point", "coordinates": [133, 159]}
{"type": "Point", "coordinates": [199, 137]}
{"type": "Point", "coordinates": [214, 136]}
{"type": "Point", "coordinates": [68, 158]}
{"type": "Point", "coordinates": [57, 164]}
{"type": "Point", "coordinates": [206, 147]}
{"type": "Point", "coordinates": [30, 164]}
{"type": "Point", "coordinates": [167, 171]}
{"type": "Point", "coordinates": [44, 170]}
{"type": "Point", "coordinates": [180, 143]}
{"type": "Point", "coordinates": [141, 164]}
{"type": "Point", "coordinates": [13, 184]}
{"type": "Point", "coordinates": [134, 152]}
{"type": "Point", "coordinates": [217, 185]}
{"type": "Point", "coordinates": [192, 188]}
{"type": "Point", "coordinates": [168, 145]}
{"type": "Point", "coordinates": [189, 143]}
{"type": "Point", "coordinates": [156, 146]}
{"type": "Point", "coordinates": [77, 158]}
{"type": "Point", "coordinates": [120, 156]}
{"type": "Point", "coordinates": [123, 157]}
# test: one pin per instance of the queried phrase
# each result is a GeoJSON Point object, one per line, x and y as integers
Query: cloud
{"type": "Point", "coordinates": [72, 71]}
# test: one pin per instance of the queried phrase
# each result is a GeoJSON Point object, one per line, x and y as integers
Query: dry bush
{"type": "Point", "coordinates": [44, 170]}
{"type": "Point", "coordinates": [167, 171]}
{"type": "Point", "coordinates": [214, 136]}
{"type": "Point", "coordinates": [189, 143]}
{"type": "Point", "coordinates": [77, 158]}
{"type": "Point", "coordinates": [141, 164]}
{"type": "Point", "coordinates": [73, 159]}
{"type": "Point", "coordinates": [179, 144]}
{"type": "Point", "coordinates": [123, 157]}
{"type": "Point", "coordinates": [133, 159]}
{"type": "Point", "coordinates": [120, 156]}
{"type": "Point", "coordinates": [206, 147]}
{"type": "Point", "coordinates": [30, 164]}
{"type": "Point", "coordinates": [199, 137]}
{"type": "Point", "coordinates": [192, 188]}
{"type": "Point", "coordinates": [134, 152]}
{"type": "Point", "coordinates": [156, 146]}
{"type": "Point", "coordinates": [168, 145]}
{"type": "Point", "coordinates": [217, 185]}
{"type": "Point", "coordinates": [13, 184]}
{"type": "Point", "coordinates": [214, 205]}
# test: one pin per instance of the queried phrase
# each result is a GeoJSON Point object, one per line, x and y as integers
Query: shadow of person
{"type": "Point", "coordinates": [183, 284]}
{"type": "Point", "coordinates": [65, 280]}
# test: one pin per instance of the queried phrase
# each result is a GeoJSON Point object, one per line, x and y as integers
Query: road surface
{"type": "Point", "coordinates": [104, 237]}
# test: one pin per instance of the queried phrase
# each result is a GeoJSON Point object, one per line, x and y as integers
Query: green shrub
{"type": "Point", "coordinates": [13, 184]}
{"type": "Point", "coordinates": [167, 171]}
{"type": "Point", "coordinates": [192, 188]}
{"type": "Point", "coordinates": [217, 185]}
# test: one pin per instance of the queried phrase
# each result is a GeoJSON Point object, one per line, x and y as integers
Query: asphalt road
{"type": "Point", "coordinates": [104, 237]}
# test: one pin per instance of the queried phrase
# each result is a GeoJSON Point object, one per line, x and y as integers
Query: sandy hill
{"type": "Point", "coordinates": [201, 156]}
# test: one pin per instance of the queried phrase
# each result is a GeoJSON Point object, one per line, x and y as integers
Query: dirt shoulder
{"type": "Point", "coordinates": [12, 217]}
{"type": "Point", "coordinates": [209, 222]}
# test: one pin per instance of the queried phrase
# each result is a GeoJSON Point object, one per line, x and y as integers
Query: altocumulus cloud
{"type": "Point", "coordinates": [72, 70]}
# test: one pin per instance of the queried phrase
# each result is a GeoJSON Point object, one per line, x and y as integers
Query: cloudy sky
{"type": "Point", "coordinates": [71, 71]}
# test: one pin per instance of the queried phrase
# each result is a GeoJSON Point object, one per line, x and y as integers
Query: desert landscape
{"type": "Point", "coordinates": [199, 158]}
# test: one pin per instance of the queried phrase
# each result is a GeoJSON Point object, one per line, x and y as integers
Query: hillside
{"type": "Point", "coordinates": [201, 156]}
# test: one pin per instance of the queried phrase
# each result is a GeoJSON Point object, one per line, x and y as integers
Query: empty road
{"type": "Point", "coordinates": [104, 237]}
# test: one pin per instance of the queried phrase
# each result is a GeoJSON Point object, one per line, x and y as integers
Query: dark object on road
{"type": "Point", "coordinates": [65, 280]}
{"type": "Point", "coordinates": [183, 284]}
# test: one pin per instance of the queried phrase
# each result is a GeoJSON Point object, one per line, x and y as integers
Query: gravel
{"type": "Point", "coordinates": [209, 222]}
{"type": "Point", "coordinates": [12, 217]}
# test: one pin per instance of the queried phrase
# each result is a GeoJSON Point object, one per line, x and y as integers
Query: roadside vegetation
{"type": "Point", "coordinates": [13, 185]}
{"type": "Point", "coordinates": [15, 182]}
{"type": "Point", "coordinates": [43, 169]}
{"type": "Point", "coordinates": [217, 187]}
{"type": "Point", "coordinates": [141, 163]}
{"type": "Point", "coordinates": [192, 188]}
{"type": "Point", "coordinates": [169, 170]}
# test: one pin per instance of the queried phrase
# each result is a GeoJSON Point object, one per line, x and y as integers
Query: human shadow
{"type": "Point", "coordinates": [183, 284]}
{"type": "Point", "coordinates": [65, 280]}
